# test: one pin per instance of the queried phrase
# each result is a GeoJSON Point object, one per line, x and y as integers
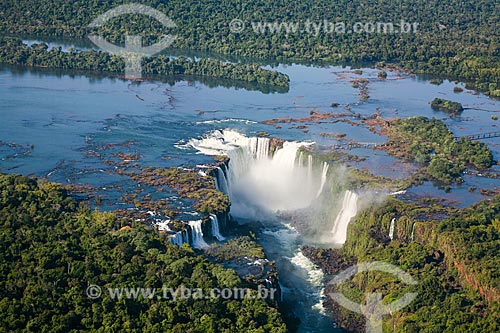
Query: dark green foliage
{"type": "Point", "coordinates": [237, 248]}
{"type": "Point", "coordinates": [457, 267]}
{"type": "Point", "coordinates": [455, 38]}
{"type": "Point", "coordinates": [52, 249]}
{"type": "Point", "coordinates": [12, 51]}
{"type": "Point", "coordinates": [436, 82]}
{"type": "Point", "coordinates": [444, 105]}
{"type": "Point", "coordinates": [430, 142]}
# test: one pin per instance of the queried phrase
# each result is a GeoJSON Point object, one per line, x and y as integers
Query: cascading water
{"type": "Point", "coordinates": [264, 186]}
{"type": "Point", "coordinates": [348, 211]}
{"type": "Point", "coordinates": [197, 234]}
{"type": "Point", "coordinates": [179, 238]}
{"type": "Point", "coordinates": [259, 183]}
{"type": "Point", "coordinates": [221, 181]}
{"type": "Point", "coordinates": [391, 229]}
{"type": "Point", "coordinates": [412, 232]}
{"type": "Point", "coordinates": [215, 227]}
{"type": "Point", "coordinates": [324, 173]}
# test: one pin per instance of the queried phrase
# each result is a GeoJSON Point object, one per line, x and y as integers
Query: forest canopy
{"type": "Point", "coordinates": [13, 51]}
{"type": "Point", "coordinates": [53, 248]}
{"type": "Point", "coordinates": [455, 38]}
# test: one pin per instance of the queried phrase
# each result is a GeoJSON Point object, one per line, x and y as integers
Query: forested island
{"type": "Point", "coordinates": [450, 107]}
{"type": "Point", "coordinates": [430, 143]}
{"type": "Point", "coordinates": [14, 52]}
{"type": "Point", "coordinates": [454, 38]}
{"type": "Point", "coordinates": [144, 188]}
{"type": "Point", "coordinates": [54, 247]}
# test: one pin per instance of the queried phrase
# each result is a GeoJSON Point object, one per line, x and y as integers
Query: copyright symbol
{"type": "Point", "coordinates": [237, 26]}
{"type": "Point", "coordinates": [93, 291]}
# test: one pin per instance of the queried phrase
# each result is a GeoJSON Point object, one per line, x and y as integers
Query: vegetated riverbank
{"type": "Point", "coordinates": [127, 159]}
{"type": "Point", "coordinates": [431, 144]}
{"type": "Point", "coordinates": [443, 44]}
{"type": "Point", "coordinates": [199, 187]}
{"type": "Point", "coordinates": [72, 247]}
{"type": "Point", "coordinates": [178, 189]}
{"type": "Point", "coordinates": [451, 253]}
{"type": "Point", "coordinates": [14, 52]}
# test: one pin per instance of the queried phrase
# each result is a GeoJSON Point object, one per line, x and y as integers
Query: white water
{"type": "Point", "coordinates": [348, 211]}
{"type": "Point", "coordinates": [314, 276]}
{"type": "Point", "coordinates": [314, 273]}
{"type": "Point", "coordinates": [324, 173]}
{"type": "Point", "coordinates": [197, 234]}
{"type": "Point", "coordinates": [215, 227]}
{"type": "Point", "coordinates": [260, 184]}
{"type": "Point", "coordinates": [162, 225]}
{"type": "Point", "coordinates": [391, 229]}
{"type": "Point", "coordinates": [412, 232]}
{"type": "Point", "coordinates": [179, 238]}
{"type": "Point", "coordinates": [398, 192]}
{"type": "Point", "coordinates": [221, 181]}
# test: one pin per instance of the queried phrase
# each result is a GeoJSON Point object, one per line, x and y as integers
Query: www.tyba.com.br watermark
{"type": "Point", "coordinates": [323, 27]}
{"type": "Point", "coordinates": [374, 308]}
{"type": "Point", "coordinates": [134, 51]}
{"type": "Point", "coordinates": [94, 291]}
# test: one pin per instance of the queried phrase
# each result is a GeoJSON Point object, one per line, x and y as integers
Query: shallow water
{"type": "Point", "coordinates": [65, 126]}
{"type": "Point", "coordinates": [63, 115]}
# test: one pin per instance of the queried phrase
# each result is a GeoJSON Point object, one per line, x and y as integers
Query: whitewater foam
{"type": "Point", "coordinates": [229, 120]}
{"type": "Point", "coordinates": [260, 183]}
{"type": "Point", "coordinates": [391, 229]}
{"type": "Point", "coordinates": [197, 235]}
{"type": "Point", "coordinates": [347, 212]}
{"type": "Point", "coordinates": [315, 275]}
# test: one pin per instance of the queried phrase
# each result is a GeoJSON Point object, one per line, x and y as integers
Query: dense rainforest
{"type": "Point", "coordinates": [455, 38]}
{"type": "Point", "coordinates": [452, 254]}
{"type": "Point", "coordinates": [431, 144]}
{"type": "Point", "coordinates": [53, 248]}
{"type": "Point", "coordinates": [13, 51]}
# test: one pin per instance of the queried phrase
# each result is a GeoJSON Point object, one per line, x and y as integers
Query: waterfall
{"type": "Point", "coordinates": [179, 238]}
{"type": "Point", "coordinates": [215, 227]}
{"type": "Point", "coordinates": [260, 184]}
{"type": "Point", "coordinates": [347, 212]}
{"type": "Point", "coordinates": [197, 234]}
{"type": "Point", "coordinates": [391, 229]}
{"type": "Point", "coordinates": [412, 232]}
{"type": "Point", "coordinates": [323, 178]}
{"type": "Point", "coordinates": [221, 181]}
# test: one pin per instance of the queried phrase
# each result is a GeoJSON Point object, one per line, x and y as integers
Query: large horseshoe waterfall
{"type": "Point", "coordinates": [263, 177]}
{"type": "Point", "coordinates": [268, 180]}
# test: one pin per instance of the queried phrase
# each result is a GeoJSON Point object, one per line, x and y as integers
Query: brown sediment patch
{"type": "Point", "coordinates": [127, 157]}
{"type": "Point", "coordinates": [378, 125]}
{"type": "Point", "coordinates": [488, 192]}
{"type": "Point", "coordinates": [362, 85]}
{"type": "Point", "coordinates": [315, 116]}
{"type": "Point", "coordinates": [334, 136]}
{"type": "Point", "coordinates": [188, 184]}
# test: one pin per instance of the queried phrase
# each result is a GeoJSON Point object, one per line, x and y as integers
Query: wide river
{"type": "Point", "coordinates": [53, 123]}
